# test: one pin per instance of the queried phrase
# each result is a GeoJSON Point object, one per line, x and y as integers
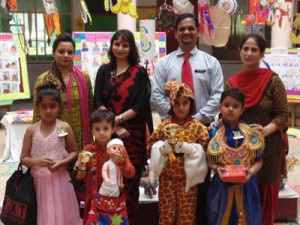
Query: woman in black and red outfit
{"type": "Point", "coordinates": [123, 87]}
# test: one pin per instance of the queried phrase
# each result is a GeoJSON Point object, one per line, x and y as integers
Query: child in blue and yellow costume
{"type": "Point", "coordinates": [234, 143]}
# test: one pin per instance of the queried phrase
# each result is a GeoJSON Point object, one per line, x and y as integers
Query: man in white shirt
{"type": "Point", "coordinates": [207, 72]}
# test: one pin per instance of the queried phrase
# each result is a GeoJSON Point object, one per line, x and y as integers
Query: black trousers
{"type": "Point", "coordinates": [201, 210]}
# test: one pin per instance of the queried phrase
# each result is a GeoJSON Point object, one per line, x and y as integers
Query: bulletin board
{"type": "Point", "coordinates": [92, 47]}
{"type": "Point", "coordinates": [286, 63]}
{"type": "Point", "coordinates": [13, 68]}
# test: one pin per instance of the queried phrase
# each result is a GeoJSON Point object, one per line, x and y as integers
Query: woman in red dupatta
{"type": "Point", "coordinates": [267, 110]}
{"type": "Point", "coordinates": [123, 87]}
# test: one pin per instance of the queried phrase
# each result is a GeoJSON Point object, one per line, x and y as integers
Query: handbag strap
{"type": "Point", "coordinates": [20, 168]}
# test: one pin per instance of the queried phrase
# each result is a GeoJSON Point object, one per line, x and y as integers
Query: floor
{"type": "Point", "coordinates": [7, 168]}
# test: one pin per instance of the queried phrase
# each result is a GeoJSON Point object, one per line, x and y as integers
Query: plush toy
{"type": "Point", "coordinates": [149, 188]}
{"type": "Point", "coordinates": [83, 157]}
{"type": "Point", "coordinates": [125, 6]}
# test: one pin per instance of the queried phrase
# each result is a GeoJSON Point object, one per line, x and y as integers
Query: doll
{"type": "Point", "coordinates": [112, 176]}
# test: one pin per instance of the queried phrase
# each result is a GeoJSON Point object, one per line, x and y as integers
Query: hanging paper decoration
{"type": "Point", "coordinates": [263, 12]}
{"type": "Point", "coordinates": [183, 6]}
{"type": "Point", "coordinates": [3, 4]}
{"type": "Point", "coordinates": [166, 17]}
{"type": "Point", "coordinates": [50, 6]}
{"type": "Point", "coordinates": [269, 11]}
{"type": "Point", "coordinates": [21, 32]}
{"type": "Point", "coordinates": [84, 12]}
{"type": "Point", "coordinates": [107, 4]}
{"type": "Point", "coordinates": [147, 31]}
{"type": "Point", "coordinates": [52, 18]}
{"type": "Point", "coordinates": [11, 5]}
{"type": "Point", "coordinates": [220, 34]}
{"type": "Point", "coordinates": [53, 24]}
{"type": "Point", "coordinates": [255, 29]}
{"type": "Point", "coordinates": [205, 24]}
{"type": "Point", "coordinates": [125, 6]}
{"type": "Point", "coordinates": [30, 28]}
{"type": "Point", "coordinates": [26, 48]}
{"type": "Point", "coordinates": [295, 39]}
{"type": "Point", "coordinates": [230, 6]}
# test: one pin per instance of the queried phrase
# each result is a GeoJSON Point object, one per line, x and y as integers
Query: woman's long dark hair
{"type": "Point", "coordinates": [126, 35]}
{"type": "Point", "coordinates": [64, 37]}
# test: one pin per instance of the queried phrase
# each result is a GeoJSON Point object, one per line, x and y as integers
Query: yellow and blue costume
{"type": "Point", "coordinates": [234, 203]}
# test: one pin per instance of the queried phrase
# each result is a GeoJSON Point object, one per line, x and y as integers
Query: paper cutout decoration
{"type": "Point", "coordinates": [50, 6]}
{"type": "Point", "coordinates": [52, 19]}
{"type": "Point", "coordinates": [205, 24]}
{"type": "Point", "coordinates": [166, 17]}
{"type": "Point", "coordinates": [295, 39]}
{"type": "Point", "coordinates": [183, 6]}
{"type": "Point", "coordinates": [106, 5]}
{"type": "Point", "coordinates": [220, 34]}
{"type": "Point", "coordinates": [3, 4]}
{"type": "Point", "coordinates": [255, 29]}
{"type": "Point", "coordinates": [11, 5]}
{"type": "Point", "coordinates": [125, 6]}
{"type": "Point", "coordinates": [53, 24]}
{"type": "Point", "coordinates": [230, 6]}
{"type": "Point", "coordinates": [84, 12]}
{"type": "Point", "coordinates": [147, 30]}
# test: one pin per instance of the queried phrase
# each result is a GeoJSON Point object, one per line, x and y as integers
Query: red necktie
{"type": "Point", "coordinates": [186, 73]}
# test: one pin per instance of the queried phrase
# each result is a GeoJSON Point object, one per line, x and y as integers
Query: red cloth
{"type": "Point", "coordinates": [252, 83]}
{"type": "Point", "coordinates": [186, 72]}
{"type": "Point", "coordinates": [269, 201]}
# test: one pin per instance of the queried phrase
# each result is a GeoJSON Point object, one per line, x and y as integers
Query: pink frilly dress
{"type": "Point", "coordinates": [56, 200]}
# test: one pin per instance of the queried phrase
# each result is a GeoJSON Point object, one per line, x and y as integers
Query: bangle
{"type": "Point", "coordinates": [120, 119]}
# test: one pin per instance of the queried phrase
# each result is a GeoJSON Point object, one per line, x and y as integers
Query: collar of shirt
{"type": "Point", "coordinates": [180, 53]}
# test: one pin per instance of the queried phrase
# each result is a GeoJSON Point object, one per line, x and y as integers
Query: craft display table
{"type": "Point", "coordinates": [14, 138]}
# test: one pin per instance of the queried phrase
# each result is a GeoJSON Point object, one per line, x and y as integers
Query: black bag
{"type": "Point", "coordinates": [19, 204]}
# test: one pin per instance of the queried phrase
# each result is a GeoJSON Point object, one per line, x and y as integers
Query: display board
{"type": "Point", "coordinates": [92, 47]}
{"type": "Point", "coordinates": [286, 63]}
{"type": "Point", "coordinates": [13, 68]}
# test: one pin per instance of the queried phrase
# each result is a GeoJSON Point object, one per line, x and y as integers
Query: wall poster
{"type": "Point", "coordinates": [286, 63]}
{"type": "Point", "coordinates": [13, 68]}
{"type": "Point", "coordinates": [91, 50]}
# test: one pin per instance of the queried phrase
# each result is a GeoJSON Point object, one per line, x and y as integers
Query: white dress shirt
{"type": "Point", "coordinates": [207, 77]}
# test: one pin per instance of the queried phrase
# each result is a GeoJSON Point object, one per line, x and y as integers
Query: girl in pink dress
{"type": "Point", "coordinates": [49, 146]}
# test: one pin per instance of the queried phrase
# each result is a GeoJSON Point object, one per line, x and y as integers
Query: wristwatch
{"type": "Point", "coordinates": [120, 119]}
